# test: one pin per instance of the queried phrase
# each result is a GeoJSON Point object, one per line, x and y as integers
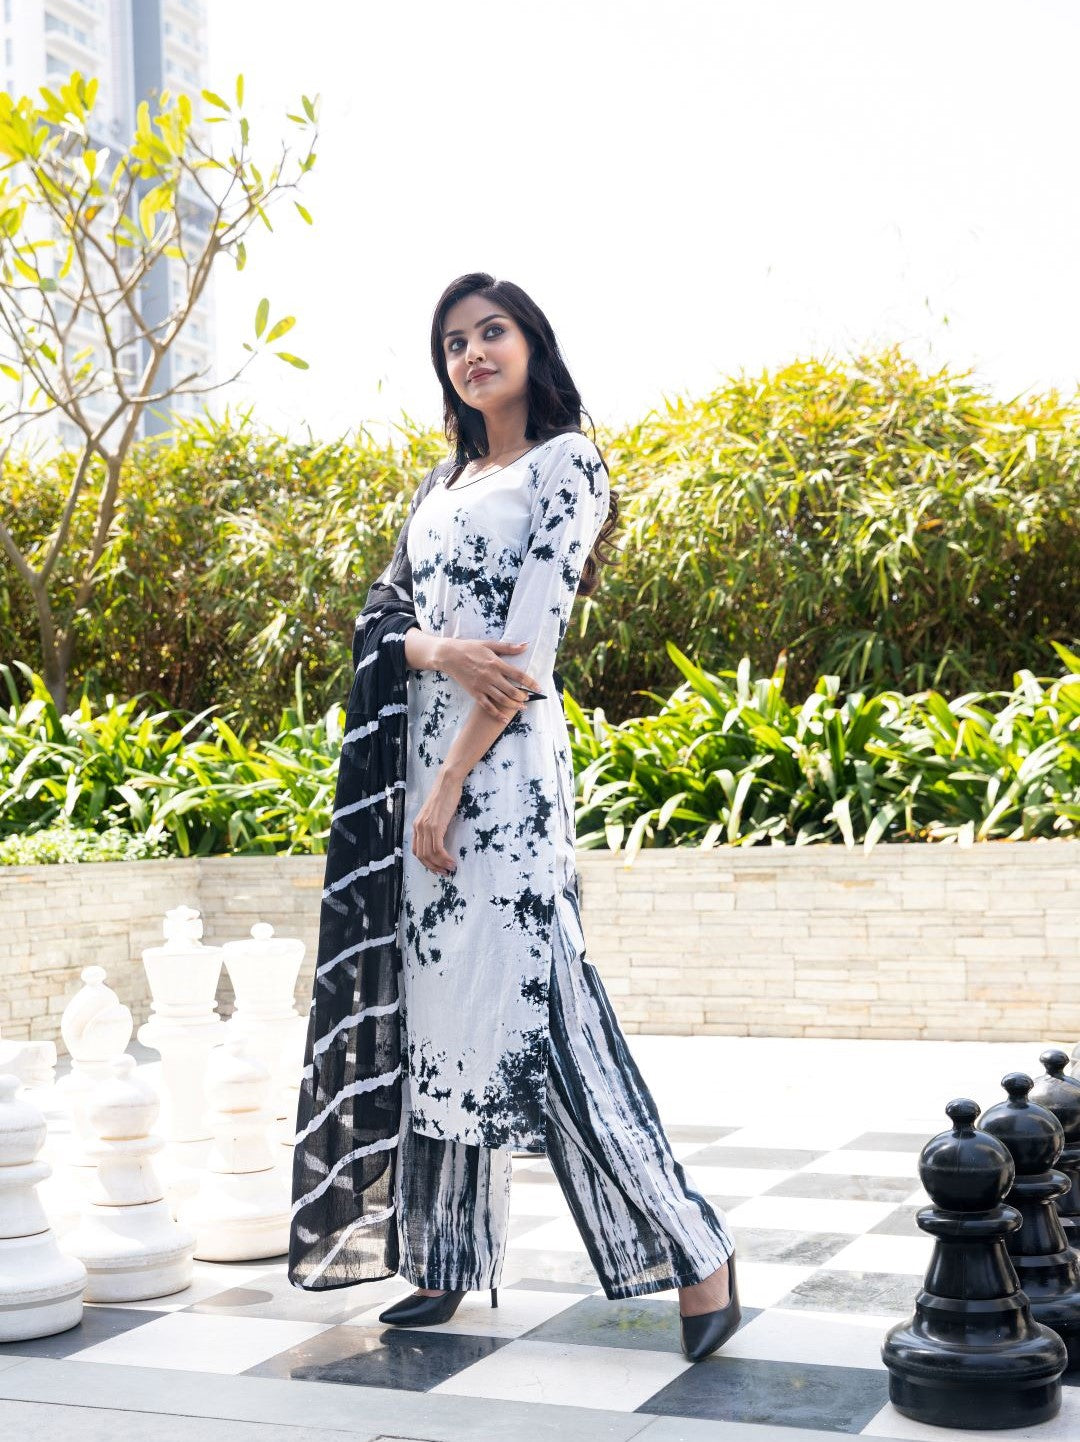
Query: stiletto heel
{"type": "Point", "coordinates": [494, 1296]}
{"type": "Point", "coordinates": [708, 1330]}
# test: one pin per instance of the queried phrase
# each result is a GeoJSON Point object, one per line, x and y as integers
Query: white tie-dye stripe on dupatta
{"type": "Point", "coordinates": [343, 1226]}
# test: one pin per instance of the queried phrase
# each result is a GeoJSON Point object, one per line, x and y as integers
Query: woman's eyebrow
{"type": "Point", "coordinates": [495, 315]}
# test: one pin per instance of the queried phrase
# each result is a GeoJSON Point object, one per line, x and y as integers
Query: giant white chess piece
{"type": "Point", "coordinates": [241, 1210]}
{"type": "Point", "coordinates": [41, 1288]}
{"type": "Point", "coordinates": [130, 1245]}
{"type": "Point", "coordinates": [263, 972]}
{"type": "Point", "coordinates": [183, 1027]}
{"type": "Point", "coordinates": [33, 1062]}
{"type": "Point", "coordinates": [96, 1028]}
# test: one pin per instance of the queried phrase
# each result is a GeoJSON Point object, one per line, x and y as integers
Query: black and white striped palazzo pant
{"type": "Point", "coordinates": [644, 1226]}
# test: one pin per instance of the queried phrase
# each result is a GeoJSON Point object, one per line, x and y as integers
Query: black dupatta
{"type": "Point", "coordinates": [343, 1225]}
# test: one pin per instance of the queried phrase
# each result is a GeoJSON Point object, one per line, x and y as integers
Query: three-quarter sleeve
{"type": "Point", "coordinates": [569, 506]}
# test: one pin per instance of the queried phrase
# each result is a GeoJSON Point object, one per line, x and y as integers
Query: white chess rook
{"type": "Point", "coordinates": [184, 1026]}
{"type": "Point", "coordinates": [263, 971]}
{"type": "Point", "coordinates": [128, 1241]}
{"type": "Point", "coordinates": [41, 1288]}
{"type": "Point", "coordinates": [241, 1210]}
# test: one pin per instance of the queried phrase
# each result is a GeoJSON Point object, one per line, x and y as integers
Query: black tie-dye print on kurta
{"type": "Point", "coordinates": [500, 557]}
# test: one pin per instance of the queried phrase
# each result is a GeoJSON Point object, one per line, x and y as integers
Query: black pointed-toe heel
{"type": "Point", "coordinates": [427, 1311]}
{"type": "Point", "coordinates": [708, 1330]}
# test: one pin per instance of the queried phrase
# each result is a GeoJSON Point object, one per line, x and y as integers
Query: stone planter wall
{"type": "Point", "coordinates": [928, 942]}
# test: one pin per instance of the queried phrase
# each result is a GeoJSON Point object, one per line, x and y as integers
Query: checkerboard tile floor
{"type": "Point", "coordinates": [830, 1257]}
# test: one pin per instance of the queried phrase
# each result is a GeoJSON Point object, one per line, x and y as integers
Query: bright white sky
{"type": "Point", "coordinates": [689, 189]}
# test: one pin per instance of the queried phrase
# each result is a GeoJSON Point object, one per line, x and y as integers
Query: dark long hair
{"type": "Point", "coordinates": [554, 400]}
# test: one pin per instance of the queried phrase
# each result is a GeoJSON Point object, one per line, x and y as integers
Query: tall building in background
{"type": "Point", "coordinates": [132, 47]}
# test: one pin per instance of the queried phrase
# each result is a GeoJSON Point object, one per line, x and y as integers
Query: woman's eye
{"type": "Point", "coordinates": [495, 326]}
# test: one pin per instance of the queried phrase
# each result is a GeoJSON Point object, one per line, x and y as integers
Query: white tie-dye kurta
{"type": "Point", "coordinates": [500, 557]}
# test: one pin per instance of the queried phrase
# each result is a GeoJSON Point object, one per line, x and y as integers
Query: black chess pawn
{"type": "Point", "coordinates": [1060, 1094]}
{"type": "Point", "coordinates": [972, 1356]}
{"type": "Point", "coordinates": [1048, 1268]}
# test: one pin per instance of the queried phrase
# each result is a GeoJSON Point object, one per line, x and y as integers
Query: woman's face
{"type": "Point", "coordinates": [478, 337]}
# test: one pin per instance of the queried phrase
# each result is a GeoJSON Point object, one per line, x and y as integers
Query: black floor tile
{"type": "Point", "coordinates": [900, 1223]}
{"type": "Point", "coordinates": [379, 1356]}
{"type": "Point", "coordinates": [785, 1394]}
{"type": "Point", "coordinates": [800, 1249]}
{"type": "Point", "coordinates": [841, 1188]}
{"type": "Point", "coordinates": [883, 1292]}
{"type": "Point", "coordinates": [98, 1323]}
{"type": "Point", "coordinates": [632, 1322]}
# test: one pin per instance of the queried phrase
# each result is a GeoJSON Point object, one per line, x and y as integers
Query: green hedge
{"type": "Point", "coordinates": [894, 528]}
{"type": "Point", "coordinates": [726, 760]}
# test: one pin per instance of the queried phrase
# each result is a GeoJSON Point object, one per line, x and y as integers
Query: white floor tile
{"type": "Point", "coordinates": [827, 1339]}
{"type": "Point", "coordinates": [205, 1283]}
{"type": "Point", "coordinates": [763, 1284]}
{"type": "Point", "coordinates": [533, 1199]}
{"type": "Point", "coordinates": [200, 1342]}
{"type": "Point", "coordinates": [819, 1136]}
{"type": "Point", "coordinates": [882, 1253]}
{"type": "Point", "coordinates": [611, 1378]}
{"type": "Point", "coordinates": [853, 1163]}
{"type": "Point", "coordinates": [1065, 1427]}
{"type": "Point", "coordinates": [808, 1214]}
{"type": "Point", "coordinates": [733, 1181]}
{"type": "Point", "coordinates": [517, 1312]}
{"type": "Point", "coordinates": [559, 1235]}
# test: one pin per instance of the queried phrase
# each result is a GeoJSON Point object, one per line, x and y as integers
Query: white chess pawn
{"type": "Point", "coordinates": [241, 1210]}
{"type": "Point", "coordinates": [263, 972]}
{"type": "Point", "coordinates": [127, 1240]}
{"type": "Point", "coordinates": [96, 1028]}
{"type": "Point", "coordinates": [41, 1288]}
{"type": "Point", "coordinates": [33, 1062]}
{"type": "Point", "coordinates": [183, 1027]}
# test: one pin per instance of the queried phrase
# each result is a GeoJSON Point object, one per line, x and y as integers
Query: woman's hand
{"type": "Point", "coordinates": [429, 827]}
{"type": "Point", "coordinates": [497, 686]}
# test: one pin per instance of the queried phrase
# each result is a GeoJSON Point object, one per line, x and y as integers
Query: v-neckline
{"type": "Point", "coordinates": [447, 486]}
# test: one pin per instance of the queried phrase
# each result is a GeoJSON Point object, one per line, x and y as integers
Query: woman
{"type": "Point", "coordinates": [455, 1018]}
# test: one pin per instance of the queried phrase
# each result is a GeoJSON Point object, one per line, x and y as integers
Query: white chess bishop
{"type": "Point", "coordinates": [96, 1028]}
{"type": "Point", "coordinates": [41, 1287]}
{"type": "Point", "coordinates": [127, 1240]}
{"type": "Point", "coordinates": [241, 1210]}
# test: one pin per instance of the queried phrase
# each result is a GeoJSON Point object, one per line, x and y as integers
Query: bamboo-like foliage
{"type": "Point", "coordinates": [725, 761]}
{"type": "Point", "coordinates": [892, 528]}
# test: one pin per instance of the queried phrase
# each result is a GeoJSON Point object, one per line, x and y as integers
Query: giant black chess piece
{"type": "Point", "coordinates": [972, 1356]}
{"type": "Point", "coordinates": [1048, 1268]}
{"type": "Point", "coordinates": [1060, 1094]}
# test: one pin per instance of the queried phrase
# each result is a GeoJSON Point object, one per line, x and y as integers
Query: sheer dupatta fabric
{"type": "Point", "coordinates": [343, 1224]}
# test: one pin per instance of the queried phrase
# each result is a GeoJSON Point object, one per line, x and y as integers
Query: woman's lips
{"type": "Point", "coordinates": [481, 375]}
